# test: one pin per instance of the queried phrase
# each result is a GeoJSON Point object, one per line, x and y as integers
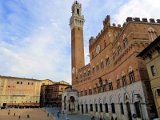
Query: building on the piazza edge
{"type": "Point", "coordinates": [151, 55]}
{"type": "Point", "coordinates": [115, 84]}
{"type": "Point", "coordinates": [20, 92]}
{"type": "Point", "coordinates": [51, 95]}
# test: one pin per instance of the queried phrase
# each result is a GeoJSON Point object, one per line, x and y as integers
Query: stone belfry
{"type": "Point", "coordinates": [77, 47]}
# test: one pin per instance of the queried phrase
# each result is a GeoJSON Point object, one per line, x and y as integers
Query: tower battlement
{"type": "Point", "coordinates": [137, 19]}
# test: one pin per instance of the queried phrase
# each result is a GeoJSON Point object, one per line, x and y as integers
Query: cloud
{"type": "Point", "coordinates": [35, 34]}
{"type": "Point", "coordinates": [137, 8]}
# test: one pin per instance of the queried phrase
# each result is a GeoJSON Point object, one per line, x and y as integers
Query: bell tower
{"type": "Point", "coordinates": [77, 47]}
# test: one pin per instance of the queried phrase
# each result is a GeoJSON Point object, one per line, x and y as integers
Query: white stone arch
{"type": "Point", "coordinates": [111, 99]}
{"type": "Point", "coordinates": [123, 73]}
{"type": "Point", "coordinates": [124, 36]}
{"type": "Point", "coordinates": [117, 77]}
{"type": "Point", "coordinates": [152, 33]}
{"type": "Point", "coordinates": [130, 69]}
{"type": "Point", "coordinates": [151, 29]}
{"type": "Point", "coordinates": [120, 98]}
{"type": "Point", "coordinates": [127, 98]}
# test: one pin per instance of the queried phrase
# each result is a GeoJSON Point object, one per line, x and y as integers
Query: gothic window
{"type": "Point", "coordinates": [84, 74]}
{"type": "Point", "coordinates": [92, 55]}
{"type": "Point", "coordinates": [104, 88]}
{"type": "Point", "coordinates": [113, 107]}
{"type": "Point", "coordinates": [153, 70]}
{"type": "Point", "coordinates": [125, 43]}
{"type": "Point", "coordinates": [78, 11]}
{"type": "Point", "coordinates": [96, 107]}
{"type": "Point", "coordinates": [102, 64]}
{"type": "Point", "coordinates": [131, 76]}
{"type": "Point", "coordinates": [93, 70]}
{"type": "Point", "coordinates": [88, 72]}
{"type": "Point", "coordinates": [110, 86]}
{"type": "Point", "coordinates": [158, 92]}
{"type": "Point", "coordinates": [78, 107]}
{"type": "Point", "coordinates": [90, 91]}
{"type": "Point", "coordinates": [124, 80]}
{"type": "Point", "coordinates": [106, 108]}
{"type": "Point", "coordinates": [122, 110]}
{"type": "Point", "coordinates": [94, 91]}
{"type": "Point", "coordinates": [114, 55]}
{"type": "Point", "coordinates": [119, 49]}
{"type": "Point", "coordinates": [137, 107]}
{"type": "Point", "coordinates": [85, 92]}
{"type": "Point", "coordinates": [105, 44]}
{"type": "Point", "coordinates": [101, 109]}
{"type": "Point", "coordinates": [152, 33]}
{"type": "Point", "coordinates": [91, 107]}
{"type": "Point", "coordinates": [97, 67]}
{"type": "Point", "coordinates": [107, 61]}
{"type": "Point", "coordinates": [118, 83]}
{"type": "Point", "coordinates": [81, 93]}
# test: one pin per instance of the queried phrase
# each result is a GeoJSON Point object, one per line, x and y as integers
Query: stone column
{"type": "Point", "coordinates": [98, 105]}
{"type": "Point", "coordinates": [88, 108]}
{"type": "Point", "coordinates": [94, 107]}
{"type": "Point", "coordinates": [67, 105]}
{"type": "Point", "coordinates": [103, 108]}
{"type": "Point", "coordinates": [80, 107]}
{"type": "Point", "coordinates": [76, 106]}
{"type": "Point", "coordinates": [133, 111]}
{"type": "Point", "coordinates": [125, 111]}
{"type": "Point", "coordinates": [144, 112]}
{"type": "Point", "coordinates": [118, 110]}
{"type": "Point", "coordinates": [84, 108]}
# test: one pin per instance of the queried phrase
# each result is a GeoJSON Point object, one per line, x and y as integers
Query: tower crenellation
{"type": "Point", "coordinates": [77, 19]}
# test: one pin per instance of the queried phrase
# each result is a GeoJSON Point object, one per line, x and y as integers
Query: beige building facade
{"type": "Point", "coordinates": [20, 92]}
{"type": "Point", "coordinates": [151, 55]}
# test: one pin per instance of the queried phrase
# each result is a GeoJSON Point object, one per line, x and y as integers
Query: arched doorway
{"type": "Point", "coordinates": [72, 104]}
{"type": "Point", "coordinates": [129, 111]}
{"type": "Point", "coordinates": [65, 103]}
{"type": "Point", "coordinates": [82, 108]}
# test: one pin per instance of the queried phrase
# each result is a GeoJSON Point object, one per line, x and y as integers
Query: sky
{"type": "Point", "coordinates": [35, 39]}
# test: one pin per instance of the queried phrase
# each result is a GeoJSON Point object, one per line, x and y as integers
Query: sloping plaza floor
{"type": "Point", "coordinates": [54, 111]}
{"type": "Point", "coordinates": [34, 113]}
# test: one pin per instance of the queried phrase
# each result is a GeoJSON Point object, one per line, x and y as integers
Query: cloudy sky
{"type": "Point", "coordinates": [35, 34]}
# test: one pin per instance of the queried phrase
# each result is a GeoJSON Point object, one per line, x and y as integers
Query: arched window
{"type": "Point", "coordinates": [158, 92]}
{"type": "Point", "coordinates": [106, 108]}
{"type": "Point", "coordinates": [137, 107]}
{"type": "Point", "coordinates": [86, 108]}
{"type": "Point", "coordinates": [113, 107]}
{"type": "Point", "coordinates": [96, 107]}
{"type": "Point", "coordinates": [91, 107]}
{"type": "Point", "coordinates": [131, 75]}
{"type": "Point", "coordinates": [152, 34]}
{"type": "Point", "coordinates": [122, 110]}
{"type": "Point", "coordinates": [125, 42]}
{"type": "Point", "coordinates": [78, 107]}
{"type": "Point", "coordinates": [101, 109]}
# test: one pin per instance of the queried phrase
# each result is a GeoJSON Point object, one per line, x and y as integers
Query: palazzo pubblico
{"type": "Point", "coordinates": [115, 84]}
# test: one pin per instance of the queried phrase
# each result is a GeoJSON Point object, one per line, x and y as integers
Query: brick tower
{"type": "Point", "coordinates": [77, 49]}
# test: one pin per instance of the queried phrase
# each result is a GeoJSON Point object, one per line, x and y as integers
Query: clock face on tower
{"type": "Point", "coordinates": [98, 48]}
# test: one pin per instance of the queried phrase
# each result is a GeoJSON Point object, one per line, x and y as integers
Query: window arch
{"type": "Point", "coordinates": [152, 34]}
{"type": "Point", "coordinates": [124, 81]}
{"type": "Point", "coordinates": [131, 75]}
